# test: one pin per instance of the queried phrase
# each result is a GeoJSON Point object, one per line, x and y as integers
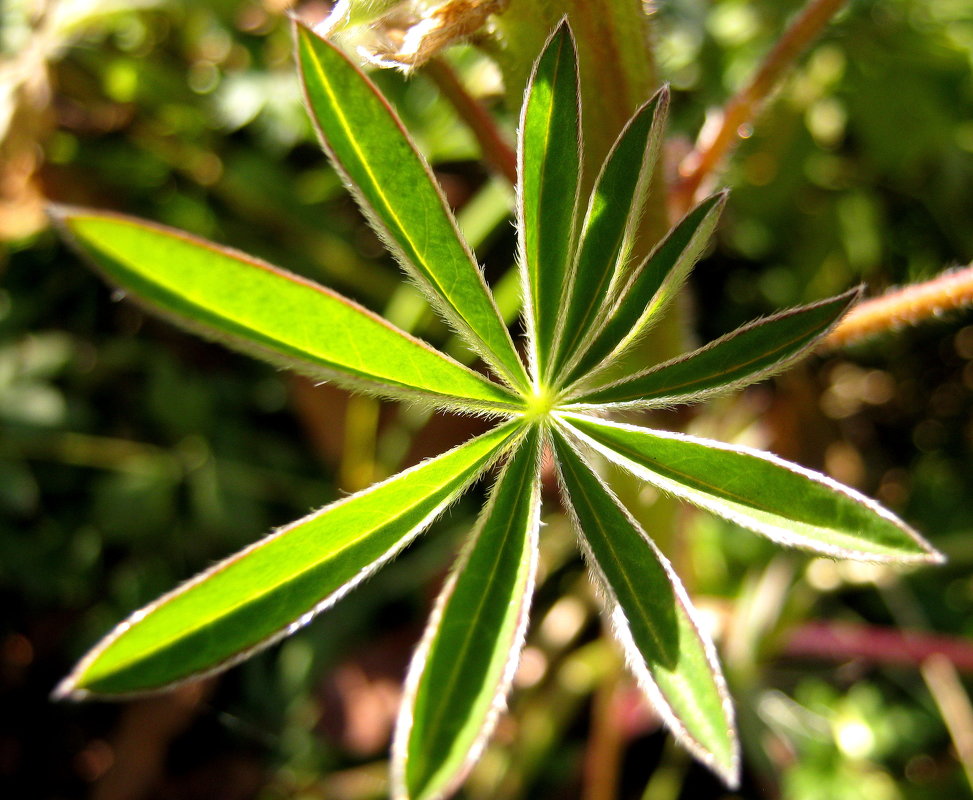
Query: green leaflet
{"type": "Point", "coordinates": [279, 583]}
{"type": "Point", "coordinates": [463, 667]}
{"type": "Point", "coordinates": [272, 314]}
{"type": "Point", "coordinates": [548, 168]}
{"type": "Point", "coordinates": [651, 616]}
{"type": "Point", "coordinates": [398, 193]}
{"type": "Point", "coordinates": [746, 355]}
{"type": "Point", "coordinates": [785, 502]}
{"type": "Point", "coordinates": [611, 221]}
{"type": "Point", "coordinates": [648, 291]}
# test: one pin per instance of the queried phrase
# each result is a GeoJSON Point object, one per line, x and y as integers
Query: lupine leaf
{"type": "Point", "coordinates": [277, 584]}
{"type": "Point", "coordinates": [674, 663]}
{"type": "Point", "coordinates": [270, 313]}
{"type": "Point", "coordinates": [548, 163]}
{"type": "Point", "coordinates": [611, 221]}
{"type": "Point", "coordinates": [462, 669]}
{"type": "Point", "coordinates": [785, 502]}
{"type": "Point", "coordinates": [371, 149]}
{"type": "Point", "coordinates": [643, 298]}
{"type": "Point", "coordinates": [746, 355]}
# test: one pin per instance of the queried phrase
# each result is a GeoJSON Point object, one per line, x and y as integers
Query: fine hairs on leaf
{"type": "Point", "coordinates": [556, 405]}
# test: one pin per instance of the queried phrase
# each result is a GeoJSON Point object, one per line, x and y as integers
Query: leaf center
{"type": "Point", "coordinates": [540, 403]}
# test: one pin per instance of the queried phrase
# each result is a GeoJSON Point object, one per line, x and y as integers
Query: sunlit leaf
{"type": "Point", "coordinates": [548, 162]}
{"type": "Point", "coordinates": [611, 222]}
{"type": "Point", "coordinates": [270, 313]}
{"type": "Point", "coordinates": [674, 663]}
{"type": "Point", "coordinates": [396, 189]}
{"type": "Point", "coordinates": [785, 502]}
{"type": "Point", "coordinates": [645, 295]}
{"type": "Point", "coordinates": [279, 583]}
{"type": "Point", "coordinates": [746, 355]}
{"type": "Point", "coordinates": [586, 302]}
{"type": "Point", "coordinates": [462, 670]}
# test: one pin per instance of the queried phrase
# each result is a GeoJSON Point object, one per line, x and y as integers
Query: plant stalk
{"type": "Point", "coordinates": [496, 151]}
{"type": "Point", "coordinates": [716, 142]}
{"type": "Point", "coordinates": [909, 305]}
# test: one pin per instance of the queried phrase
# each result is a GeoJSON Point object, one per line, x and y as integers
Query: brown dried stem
{"type": "Point", "coordinates": [496, 151]}
{"type": "Point", "coordinates": [716, 141]}
{"type": "Point", "coordinates": [909, 305]}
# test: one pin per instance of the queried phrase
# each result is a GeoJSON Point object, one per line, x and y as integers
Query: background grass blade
{"type": "Point", "coordinates": [263, 592]}
{"type": "Point", "coordinates": [641, 301]}
{"type": "Point", "coordinates": [548, 165]}
{"type": "Point", "coordinates": [746, 355]}
{"type": "Point", "coordinates": [611, 221]}
{"type": "Point", "coordinates": [785, 502]}
{"type": "Point", "coordinates": [398, 193]}
{"type": "Point", "coordinates": [463, 667]}
{"type": "Point", "coordinates": [269, 313]}
{"type": "Point", "coordinates": [651, 617]}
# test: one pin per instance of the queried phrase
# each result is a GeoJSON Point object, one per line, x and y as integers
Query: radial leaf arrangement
{"type": "Point", "coordinates": [585, 302]}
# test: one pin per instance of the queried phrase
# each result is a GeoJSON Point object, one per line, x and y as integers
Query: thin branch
{"type": "Point", "coordinates": [716, 140]}
{"type": "Point", "coordinates": [496, 151]}
{"type": "Point", "coordinates": [909, 305]}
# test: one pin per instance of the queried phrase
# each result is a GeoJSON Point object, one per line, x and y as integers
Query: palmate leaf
{"type": "Point", "coordinates": [746, 355]}
{"type": "Point", "coordinates": [611, 222]}
{"type": "Point", "coordinates": [641, 300]}
{"type": "Point", "coordinates": [785, 502]}
{"type": "Point", "coordinates": [673, 661]}
{"type": "Point", "coordinates": [371, 149]}
{"type": "Point", "coordinates": [269, 313]}
{"type": "Point", "coordinates": [277, 584]}
{"type": "Point", "coordinates": [548, 171]}
{"type": "Point", "coordinates": [462, 669]}
{"type": "Point", "coordinates": [584, 305]}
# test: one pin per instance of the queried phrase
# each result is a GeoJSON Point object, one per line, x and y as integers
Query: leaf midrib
{"type": "Point", "coordinates": [628, 584]}
{"type": "Point", "coordinates": [237, 327]}
{"type": "Point", "coordinates": [669, 390]}
{"type": "Point", "coordinates": [162, 644]}
{"type": "Point", "coordinates": [672, 674]}
{"type": "Point", "coordinates": [427, 274]}
{"type": "Point", "coordinates": [436, 722]}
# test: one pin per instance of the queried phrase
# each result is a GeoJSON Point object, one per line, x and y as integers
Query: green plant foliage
{"type": "Point", "coordinates": [548, 184]}
{"type": "Point", "coordinates": [744, 356]}
{"type": "Point", "coordinates": [463, 667]}
{"type": "Point", "coordinates": [271, 313]}
{"type": "Point", "coordinates": [474, 637]}
{"type": "Point", "coordinates": [396, 189]}
{"type": "Point", "coordinates": [673, 661]}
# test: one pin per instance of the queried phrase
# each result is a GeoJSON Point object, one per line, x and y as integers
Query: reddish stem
{"type": "Point", "coordinates": [837, 642]}
{"type": "Point", "coordinates": [906, 306]}
{"type": "Point", "coordinates": [716, 142]}
{"type": "Point", "coordinates": [496, 151]}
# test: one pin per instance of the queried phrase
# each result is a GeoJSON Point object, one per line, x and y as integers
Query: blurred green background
{"type": "Point", "coordinates": [132, 455]}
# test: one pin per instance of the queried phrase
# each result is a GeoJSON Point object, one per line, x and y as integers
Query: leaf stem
{"type": "Point", "coordinates": [909, 305]}
{"type": "Point", "coordinates": [717, 140]}
{"type": "Point", "coordinates": [496, 151]}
